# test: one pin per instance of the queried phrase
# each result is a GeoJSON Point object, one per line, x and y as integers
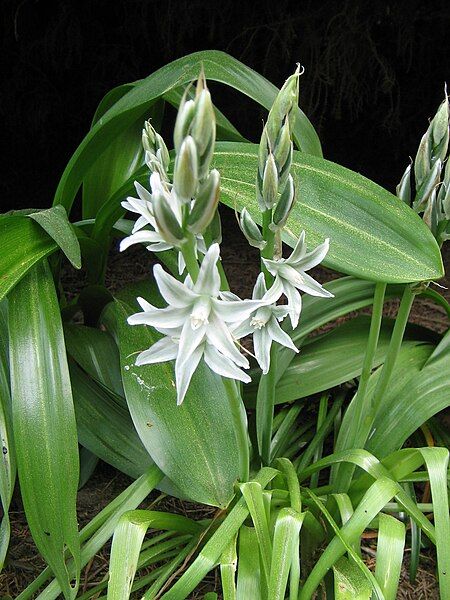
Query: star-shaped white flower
{"type": "Point", "coordinates": [195, 324]}
{"type": "Point", "coordinates": [263, 324]}
{"type": "Point", "coordinates": [291, 272]}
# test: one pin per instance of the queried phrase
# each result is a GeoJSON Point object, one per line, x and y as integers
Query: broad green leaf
{"type": "Point", "coordinates": [373, 234]}
{"type": "Point", "coordinates": [285, 549]}
{"type": "Point", "coordinates": [390, 546]}
{"type": "Point", "coordinates": [217, 66]}
{"type": "Point", "coordinates": [55, 222]}
{"type": "Point", "coordinates": [425, 394]}
{"type": "Point", "coordinates": [249, 574]}
{"type": "Point", "coordinates": [96, 353]}
{"type": "Point", "coordinates": [45, 434]}
{"type": "Point", "coordinates": [8, 461]}
{"type": "Point", "coordinates": [22, 244]}
{"type": "Point", "coordinates": [349, 582]}
{"type": "Point", "coordinates": [332, 359]}
{"type": "Point", "coordinates": [105, 426]}
{"type": "Point", "coordinates": [127, 542]}
{"type": "Point", "coordinates": [182, 440]}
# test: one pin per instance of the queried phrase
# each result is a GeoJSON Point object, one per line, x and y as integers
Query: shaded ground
{"type": "Point", "coordinates": [241, 264]}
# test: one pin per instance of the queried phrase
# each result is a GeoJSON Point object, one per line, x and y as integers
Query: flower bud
{"type": "Point", "coordinates": [156, 153]}
{"type": "Point", "coordinates": [282, 151]}
{"type": "Point", "coordinates": [284, 205]}
{"type": "Point", "coordinates": [205, 205]}
{"type": "Point", "coordinates": [403, 189]}
{"type": "Point", "coordinates": [431, 213]}
{"type": "Point", "coordinates": [166, 220]}
{"type": "Point", "coordinates": [204, 123]}
{"type": "Point", "coordinates": [427, 186]}
{"type": "Point", "coordinates": [185, 175]}
{"type": "Point", "coordinates": [251, 230]}
{"type": "Point", "coordinates": [440, 132]}
{"type": "Point", "coordinates": [183, 122]}
{"type": "Point", "coordinates": [444, 192]}
{"type": "Point", "coordinates": [270, 182]}
{"type": "Point", "coordinates": [282, 107]}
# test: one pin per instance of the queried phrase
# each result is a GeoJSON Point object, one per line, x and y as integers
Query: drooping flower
{"type": "Point", "coordinates": [196, 324]}
{"type": "Point", "coordinates": [292, 274]}
{"type": "Point", "coordinates": [264, 323]}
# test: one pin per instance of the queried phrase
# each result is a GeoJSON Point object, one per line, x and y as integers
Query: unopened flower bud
{"type": "Point", "coordinates": [251, 230]}
{"type": "Point", "coordinates": [204, 123]}
{"type": "Point", "coordinates": [431, 213]}
{"type": "Point", "coordinates": [282, 150]}
{"type": "Point", "coordinates": [444, 192]}
{"type": "Point", "coordinates": [403, 189]}
{"type": "Point", "coordinates": [282, 107]}
{"type": "Point", "coordinates": [183, 122]}
{"type": "Point", "coordinates": [270, 182]}
{"type": "Point", "coordinates": [440, 131]}
{"type": "Point", "coordinates": [156, 153]}
{"type": "Point", "coordinates": [427, 187]}
{"type": "Point", "coordinates": [168, 226]}
{"type": "Point", "coordinates": [205, 205]}
{"type": "Point", "coordinates": [185, 175]}
{"type": "Point", "coordinates": [284, 205]}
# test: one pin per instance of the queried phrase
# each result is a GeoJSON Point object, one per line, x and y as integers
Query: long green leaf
{"type": "Point", "coordinates": [182, 440]}
{"type": "Point", "coordinates": [349, 582]}
{"type": "Point", "coordinates": [54, 221]}
{"type": "Point", "coordinates": [285, 547]}
{"type": "Point", "coordinates": [373, 234]}
{"type": "Point", "coordinates": [44, 422]}
{"type": "Point", "coordinates": [217, 66]}
{"type": "Point", "coordinates": [228, 562]}
{"type": "Point", "coordinates": [249, 573]}
{"type": "Point", "coordinates": [390, 546]}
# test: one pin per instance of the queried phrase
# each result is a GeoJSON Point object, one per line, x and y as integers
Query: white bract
{"type": "Point", "coordinates": [196, 324]}
{"type": "Point", "coordinates": [291, 272]}
{"type": "Point", "coordinates": [264, 323]}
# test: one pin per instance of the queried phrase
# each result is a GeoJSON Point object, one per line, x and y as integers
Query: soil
{"type": "Point", "coordinates": [241, 265]}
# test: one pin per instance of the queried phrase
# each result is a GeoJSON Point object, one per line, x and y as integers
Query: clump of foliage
{"type": "Point", "coordinates": [157, 383]}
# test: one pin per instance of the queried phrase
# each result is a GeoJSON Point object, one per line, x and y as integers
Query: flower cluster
{"type": "Point", "coordinates": [202, 321]}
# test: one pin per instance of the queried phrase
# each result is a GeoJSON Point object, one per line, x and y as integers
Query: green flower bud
{"type": "Point", "coordinates": [185, 175]}
{"type": "Point", "coordinates": [444, 192]}
{"type": "Point", "coordinates": [431, 214]}
{"type": "Point", "coordinates": [440, 131]}
{"type": "Point", "coordinates": [205, 205]}
{"type": "Point", "coordinates": [282, 107]}
{"type": "Point", "coordinates": [183, 122]}
{"type": "Point", "coordinates": [157, 155]}
{"type": "Point", "coordinates": [403, 189]}
{"type": "Point", "coordinates": [270, 182]}
{"type": "Point", "coordinates": [166, 220]}
{"type": "Point", "coordinates": [427, 187]}
{"type": "Point", "coordinates": [283, 147]}
{"type": "Point", "coordinates": [284, 205]}
{"type": "Point", "coordinates": [204, 123]}
{"type": "Point", "coordinates": [251, 230]}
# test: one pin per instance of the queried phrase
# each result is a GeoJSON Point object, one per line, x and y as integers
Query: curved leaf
{"type": "Point", "coordinates": [217, 66]}
{"type": "Point", "coordinates": [373, 234]}
{"type": "Point", "coordinates": [55, 222]}
{"type": "Point", "coordinates": [182, 440]}
{"type": "Point", "coordinates": [44, 422]}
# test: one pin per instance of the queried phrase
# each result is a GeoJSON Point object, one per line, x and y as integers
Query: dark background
{"type": "Point", "coordinates": [375, 73]}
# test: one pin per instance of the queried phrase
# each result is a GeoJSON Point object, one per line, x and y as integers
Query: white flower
{"type": "Point", "coordinates": [195, 324]}
{"type": "Point", "coordinates": [291, 272]}
{"type": "Point", "coordinates": [143, 207]}
{"type": "Point", "coordinates": [264, 323]}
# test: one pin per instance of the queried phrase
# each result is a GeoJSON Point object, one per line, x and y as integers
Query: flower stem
{"type": "Point", "coordinates": [265, 402]}
{"type": "Point", "coordinates": [190, 257]}
{"type": "Point", "coordinates": [240, 426]}
{"type": "Point", "coordinates": [269, 236]}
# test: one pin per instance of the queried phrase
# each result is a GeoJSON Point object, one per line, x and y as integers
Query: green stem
{"type": "Point", "coordinates": [239, 416]}
{"type": "Point", "coordinates": [265, 402]}
{"type": "Point", "coordinates": [190, 257]}
{"type": "Point", "coordinates": [269, 236]}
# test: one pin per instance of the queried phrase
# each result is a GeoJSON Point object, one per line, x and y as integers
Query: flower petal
{"type": "Point", "coordinates": [143, 193]}
{"type": "Point", "coordinates": [262, 343]}
{"type": "Point", "coordinates": [299, 250]}
{"type": "Point", "coordinates": [208, 281]}
{"type": "Point", "coordinates": [260, 287]}
{"type": "Point", "coordinates": [174, 292]}
{"type": "Point", "coordinates": [163, 350]}
{"type": "Point", "coordinates": [294, 303]}
{"type": "Point", "coordinates": [184, 371]}
{"type": "Point", "coordinates": [313, 287]}
{"type": "Point", "coordinates": [218, 335]}
{"type": "Point", "coordinates": [236, 311]}
{"type": "Point", "coordinates": [313, 258]}
{"type": "Point", "coordinates": [139, 237]}
{"type": "Point", "coordinates": [221, 365]}
{"type": "Point", "coordinates": [160, 317]}
{"type": "Point", "coordinates": [280, 336]}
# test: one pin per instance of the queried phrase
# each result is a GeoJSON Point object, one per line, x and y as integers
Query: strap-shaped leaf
{"type": "Point", "coordinates": [390, 546]}
{"type": "Point", "coordinates": [217, 66]}
{"type": "Point", "coordinates": [182, 440]}
{"type": "Point", "coordinates": [55, 222]}
{"type": "Point", "coordinates": [373, 234]}
{"type": "Point", "coordinates": [349, 582]}
{"type": "Point", "coordinates": [45, 434]}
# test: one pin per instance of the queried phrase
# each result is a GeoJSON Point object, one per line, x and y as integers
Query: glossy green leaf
{"type": "Point", "coordinates": [8, 460]}
{"type": "Point", "coordinates": [182, 440]}
{"type": "Point", "coordinates": [332, 359]}
{"type": "Point", "coordinates": [390, 546]}
{"type": "Point", "coordinates": [44, 422]}
{"type": "Point", "coordinates": [105, 426]}
{"type": "Point", "coordinates": [249, 573]}
{"type": "Point", "coordinates": [349, 582]}
{"type": "Point", "coordinates": [54, 221]}
{"type": "Point", "coordinates": [228, 562]}
{"type": "Point", "coordinates": [424, 395]}
{"type": "Point", "coordinates": [285, 547]}
{"type": "Point", "coordinates": [373, 234]}
{"type": "Point", "coordinates": [217, 66]}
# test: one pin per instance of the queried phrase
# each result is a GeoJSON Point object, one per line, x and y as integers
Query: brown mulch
{"type": "Point", "coordinates": [241, 264]}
